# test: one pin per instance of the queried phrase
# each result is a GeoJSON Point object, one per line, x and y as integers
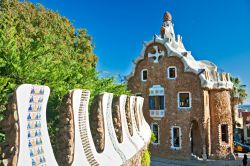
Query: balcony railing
{"type": "Point", "coordinates": [157, 113]}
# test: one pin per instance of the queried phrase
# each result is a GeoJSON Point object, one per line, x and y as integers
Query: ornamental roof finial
{"type": "Point", "coordinates": [167, 17]}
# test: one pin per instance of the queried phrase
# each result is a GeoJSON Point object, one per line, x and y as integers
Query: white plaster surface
{"type": "Point", "coordinates": [109, 155]}
{"type": "Point", "coordinates": [23, 94]}
{"type": "Point", "coordinates": [145, 130]}
{"type": "Point", "coordinates": [114, 153]}
{"type": "Point", "coordinates": [79, 154]}
{"type": "Point", "coordinates": [127, 146]}
{"type": "Point", "coordinates": [136, 138]}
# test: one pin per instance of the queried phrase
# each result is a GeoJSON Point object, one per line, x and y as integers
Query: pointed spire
{"type": "Point", "coordinates": [167, 28]}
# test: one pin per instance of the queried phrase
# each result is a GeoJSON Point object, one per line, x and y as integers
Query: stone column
{"type": "Point", "coordinates": [203, 140]}
{"type": "Point", "coordinates": [208, 138]}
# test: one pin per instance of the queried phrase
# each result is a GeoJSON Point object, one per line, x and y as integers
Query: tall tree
{"type": "Point", "coordinates": [38, 46]}
{"type": "Point", "coordinates": [238, 95]}
{"type": "Point", "coordinates": [239, 90]}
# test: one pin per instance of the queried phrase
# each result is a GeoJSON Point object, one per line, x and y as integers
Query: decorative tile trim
{"type": "Point", "coordinates": [83, 129]}
{"type": "Point", "coordinates": [34, 134]}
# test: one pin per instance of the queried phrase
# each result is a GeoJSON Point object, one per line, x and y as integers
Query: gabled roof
{"type": "Point", "coordinates": [207, 71]}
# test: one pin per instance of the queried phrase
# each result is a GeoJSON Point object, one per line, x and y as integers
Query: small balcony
{"type": "Point", "coordinates": [157, 114]}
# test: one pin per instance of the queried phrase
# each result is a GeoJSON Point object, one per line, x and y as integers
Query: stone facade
{"type": "Point", "coordinates": [197, 125]}
{"type": "Point", "coordinates": [65, 135]}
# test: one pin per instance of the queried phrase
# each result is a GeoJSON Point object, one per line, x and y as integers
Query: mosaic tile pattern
{"type": "Point", "coordinates": [111, 134]}
{"type": "Point", "coordinates": [35, 143]}
{"type": "Point", "coordinates": [83, 128]}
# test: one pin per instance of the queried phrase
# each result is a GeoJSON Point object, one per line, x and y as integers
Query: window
{"type": "Point", "coordinates": [248, 131]}
{"type": "Point", "coordinates": [156, 102]}
{"type": "Point", "coordinates": [156, 97]}
{"type": "Point", "coordinates": [155, 130]}
{"type": "Point", "coordinates": [172, 72]}
{"type": "Point", "coordinates": [224, 133]}
{"type": "Point", "coordinates": [184, 100]}
{"type": "Point", "coordinates": [144, 75]}
{"type": "Point", "coordinates": [176, 137]}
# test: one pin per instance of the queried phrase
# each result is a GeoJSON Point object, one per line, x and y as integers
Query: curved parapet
{"type": "Point", "coordinates": [96, 147]}
{"type": "Point", "coordinates": [145, 130]}
{"type": "Point", "coordinates": [28, 138]}
{"type": "Point", "coordinates": [136, 137]}
{"type": "Point", "coordinates": [127, 146]}
{"type": "Point", "coordinates": [103, 137]}
{"type": "Point", "coordinates": [114, 132]}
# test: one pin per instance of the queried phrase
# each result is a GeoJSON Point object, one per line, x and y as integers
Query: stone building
{"type": "Point", "coordinates": [186, 102]}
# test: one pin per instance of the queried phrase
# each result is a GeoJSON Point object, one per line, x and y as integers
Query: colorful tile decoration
{"type": "Point", "coordinates": [34, 134]}
{"type": "Point", "coordinates": [82, 122]}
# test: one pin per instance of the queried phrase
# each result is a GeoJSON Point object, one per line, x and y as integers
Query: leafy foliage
{"type": "Point", "coordinates": [239, 90]}
{"type": "Point", "coordinates": [153, 138]}
{"type": "Point", "coordinates": [38, 46]}
{"type": "Point", "coordinates": [146, 158]}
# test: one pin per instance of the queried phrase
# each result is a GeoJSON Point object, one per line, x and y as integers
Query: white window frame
{"type": "Point", "coordinates": [172, 138]}
{"type": "Point", "coordinates": [168, 72]}
{"type": "Point", "coordinates": [161, 92]}
{"type": "Point", "coordinates": [142, 75]}
{"type": "Point", "coordinates": [154, 123]}
{"type": "Point", "coordinates": [190, 100]}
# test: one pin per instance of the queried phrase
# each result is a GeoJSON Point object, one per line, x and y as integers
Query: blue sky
{"type": "Point", "coordinates": [214, 30]}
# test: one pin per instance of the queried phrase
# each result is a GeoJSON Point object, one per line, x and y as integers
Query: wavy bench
{"type": "Point", "coordinates": [114, 132]}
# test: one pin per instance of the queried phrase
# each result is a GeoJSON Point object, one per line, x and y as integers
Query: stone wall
{"type": "Point", "coordinates": [220, 114]}
{"type": "Point", "coordinates": [116, 116]}
{"type": "Point", "coordinates": [65, 135]}
{"type": "Point", "coordinates": [97, 124]}
{"type": "Point", "coordinates": [10, 125]}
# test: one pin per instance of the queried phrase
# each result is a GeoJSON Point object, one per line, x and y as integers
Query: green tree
{"type": "Point", "coordinates": [238, 95]}
{"type": "Point", "coordinates": [38, 46]}
{"type": "Point", "coordinates": [239, 91]}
